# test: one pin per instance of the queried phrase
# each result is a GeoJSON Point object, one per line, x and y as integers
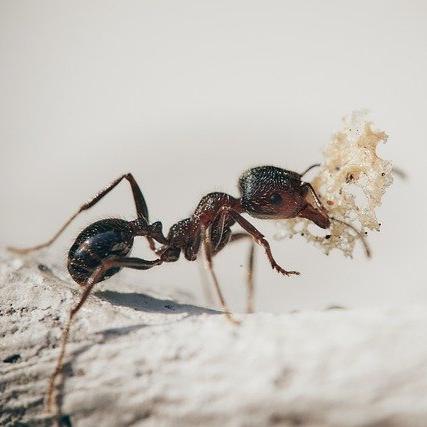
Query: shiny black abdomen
{"type": "Point", "coordinates": [100, 240]}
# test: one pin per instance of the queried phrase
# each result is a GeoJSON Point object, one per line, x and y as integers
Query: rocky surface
{"type": "Point", "coordinates": [137, 360]}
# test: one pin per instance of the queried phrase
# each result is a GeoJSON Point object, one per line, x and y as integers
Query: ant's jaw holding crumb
{"type": "Point", "coordinates": [318, 216]}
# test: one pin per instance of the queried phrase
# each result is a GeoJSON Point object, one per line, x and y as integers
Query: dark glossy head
{"type": "Point", "coordinates": [270, 192]}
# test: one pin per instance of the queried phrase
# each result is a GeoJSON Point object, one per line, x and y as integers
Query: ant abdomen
{"type": "Point", "coordinates": [97, 242]}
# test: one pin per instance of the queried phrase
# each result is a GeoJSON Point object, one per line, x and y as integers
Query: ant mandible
{"type": "Point", "coordinates": [102, 249]}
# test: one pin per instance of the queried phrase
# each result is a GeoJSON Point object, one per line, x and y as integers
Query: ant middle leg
{"type": "Point", "coordinates": [208, 251]}
{"type": "Point", "coordinates": [97, 276]}
{"type": "Point", "coordinates": [250, 271]}
{"type": "Point", "coordinates": [140, 204]}
{"type": "Point", "coordinates": [250, 302]}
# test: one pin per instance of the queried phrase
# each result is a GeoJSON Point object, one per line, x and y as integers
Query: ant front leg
{"type": "Point", "coordinates": [260, 239]}
{"type": "Point", "coordinates": [140, 204]}
{"type": "Point", "coordinates": [97, 276]}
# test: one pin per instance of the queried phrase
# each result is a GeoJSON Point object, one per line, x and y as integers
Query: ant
{"type": "Point", "coordinates": [102, 249]}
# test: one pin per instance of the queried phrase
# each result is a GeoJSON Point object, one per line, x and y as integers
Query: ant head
{"type": "Point", "coordinates": [270, 192]}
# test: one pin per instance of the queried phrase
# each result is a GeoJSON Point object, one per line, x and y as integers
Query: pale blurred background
{"type": "Point", "coordinates": [187, 95]}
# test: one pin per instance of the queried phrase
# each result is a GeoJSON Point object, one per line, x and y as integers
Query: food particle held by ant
{"type": "Point", "coordinates": [350, 163]}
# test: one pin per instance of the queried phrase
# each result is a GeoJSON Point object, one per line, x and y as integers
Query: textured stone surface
{"type": "Point", "coordinates": [139, 360]}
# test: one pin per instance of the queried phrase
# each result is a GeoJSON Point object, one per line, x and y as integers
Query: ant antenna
{"type": "Point", "coordinates": [360, 235]}
{"type": "Point", "coordinates": [399, 172]}
{"type": "Point", "coordinates": [316, 165]}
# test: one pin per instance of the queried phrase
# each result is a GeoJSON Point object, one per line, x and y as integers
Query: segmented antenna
{"type": "Point", "coordinates": [360, 235]}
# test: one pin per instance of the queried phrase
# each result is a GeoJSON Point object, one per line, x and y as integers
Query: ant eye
{"type": "Point", "coordinates": [275, 199]}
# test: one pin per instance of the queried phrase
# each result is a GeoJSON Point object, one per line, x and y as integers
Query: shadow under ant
{"type": "Point", "coordinates": [140, 301]}
{"type": "Point", "coordinates": [149, 304]}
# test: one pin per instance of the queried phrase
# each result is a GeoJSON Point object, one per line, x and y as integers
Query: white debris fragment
{"type": "Point", "coordinates": [351, 182]}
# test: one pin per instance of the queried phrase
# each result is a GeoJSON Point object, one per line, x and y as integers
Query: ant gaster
{"type": "Point", "coordinates": [103, 248]}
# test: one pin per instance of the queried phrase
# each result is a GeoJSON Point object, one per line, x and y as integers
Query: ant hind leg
{"type": "Point", "coordinates": [140, 204]}
{"type": "Point", "coordinates": [97, 275]}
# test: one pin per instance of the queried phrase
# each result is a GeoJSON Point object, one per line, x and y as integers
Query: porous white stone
{"type": "Point", "coordinates": [136, 360]}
